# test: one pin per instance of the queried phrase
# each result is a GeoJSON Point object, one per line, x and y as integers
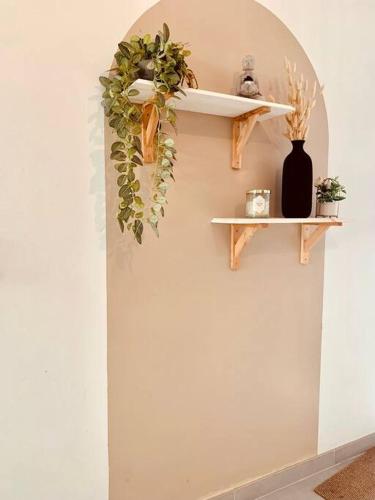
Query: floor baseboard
{"type": "Point", "coordinates": [285, 477]}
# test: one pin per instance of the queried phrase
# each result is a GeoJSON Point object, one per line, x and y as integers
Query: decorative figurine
{"type": "Point", "coordinates": [248, 82]}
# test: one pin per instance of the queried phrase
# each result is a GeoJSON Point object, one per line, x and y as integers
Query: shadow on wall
{"type": "Point", "coordinates": [97, 183]}
{"type": "Point", "coordinates": [214, 374]}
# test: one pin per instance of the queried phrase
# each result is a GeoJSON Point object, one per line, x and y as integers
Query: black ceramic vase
{"type": "Point", "coordinates": [297, 183]}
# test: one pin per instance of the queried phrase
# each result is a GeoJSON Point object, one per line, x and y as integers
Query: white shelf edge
{"type": "Point", "coordinates": [276, 220]}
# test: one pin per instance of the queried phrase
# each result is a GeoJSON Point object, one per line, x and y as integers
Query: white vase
{"type": "Point", "coordinates": [327, 209]}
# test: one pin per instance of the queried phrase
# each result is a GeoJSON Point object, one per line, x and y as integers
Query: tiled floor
{"type": "Point", "coordinates": [304, 490]}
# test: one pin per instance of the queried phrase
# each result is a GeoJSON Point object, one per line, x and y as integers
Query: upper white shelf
{"type": "Point", "coordinates": [213, 103]}
{"type": "Point", "coordinates": [278, 220]}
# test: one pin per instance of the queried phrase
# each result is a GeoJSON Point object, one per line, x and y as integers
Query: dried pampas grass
{"type": "Point", "coordinates": [298, 87]}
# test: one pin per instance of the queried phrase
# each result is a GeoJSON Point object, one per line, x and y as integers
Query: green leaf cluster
{"type": "Point", "coordinates": [329, 190]}
{"type": "Point", "coordinates": [166, 155]}
{"type": "Point", "coordinates": [125, 115]}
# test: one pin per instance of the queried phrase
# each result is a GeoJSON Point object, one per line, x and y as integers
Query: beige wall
{"type": "Point", "coordinates": [214, 375]}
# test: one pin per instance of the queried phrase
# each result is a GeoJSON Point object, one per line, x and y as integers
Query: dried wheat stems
{"type": "Point", "coordinates": [298, 86]}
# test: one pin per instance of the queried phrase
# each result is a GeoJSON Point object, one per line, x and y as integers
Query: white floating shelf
{"type": "Point", "coordinates": [279, 220]}
{"type": "Point", "coordinates": [243, 229]}
{"type": "Point", "coordinates": [213, 103]}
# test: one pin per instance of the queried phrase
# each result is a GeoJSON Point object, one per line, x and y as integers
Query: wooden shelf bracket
{"type": "Point", "coordinates": [242, 127]}
{"type": "Point", "coordinates": [310, 235]}
{"type": "Point", "coordinates": [150, 121]}
{"type": "Point", "coordinates": [239, 236]}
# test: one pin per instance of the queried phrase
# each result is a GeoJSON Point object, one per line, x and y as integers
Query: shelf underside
{"type": "Point", "coordinates": [213, 103]}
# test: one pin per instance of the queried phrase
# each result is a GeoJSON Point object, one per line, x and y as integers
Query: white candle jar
{"type": "Point", "coordinates": [258, 203]}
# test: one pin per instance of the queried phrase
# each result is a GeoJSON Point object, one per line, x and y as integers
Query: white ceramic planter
{"type": "Point", "coordinates": [327, 209]}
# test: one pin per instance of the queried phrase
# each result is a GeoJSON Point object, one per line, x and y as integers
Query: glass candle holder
{"type": "Point", "coordinates": [258, 203]}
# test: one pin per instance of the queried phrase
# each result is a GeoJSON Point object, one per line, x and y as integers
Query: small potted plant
{"type": "Point", "coordinates": [329, 192]}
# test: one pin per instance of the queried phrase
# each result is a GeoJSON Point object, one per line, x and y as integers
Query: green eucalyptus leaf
{"type": "Point", "coordinates": [114, 121]}
{"type": "Point", "coordinates": [106, 82]}
{"type": "Point", "coordinates": [133, 92]}
{"type": "Point", "coordinates": [169, 142]}
{"type": "Point", "coordinates": [147, 39]}
{"type": "Point", "coordinates": [131, 176]}
{"type": "Point", "coordinates": [122, 133]}
{"type": "Point", "coordinates": [125, 214]}
{"type": "Point", "coordinates": [136, 129]}
{"type": "Point", "coordinates": [136, 142]}
{"type": "Point", "coordinates": [121, 223]}
{"type": "Point", "coordinates": [137, 146]}
{"type": "Point", "coordinates": [124, 49]}
{"type": "Point", "coordinates": [166, 33]}
{"type": "Point", "coordinates": [151, 47]}
{"type": "Point", "coordinates": [118, 155]}
{"type": "Point", "coordinates": [137, 58]}
{"type": "Point", "coordinates": [121, 167]}
{"type": "Point", "coordinates": [162, 88]}
{"type": "Point", "coordinates": [117, 145]}
{"type": "Point", "coordinates": [136, 186]}
{"type": "Point", "coordinates": [121, 180]}
{"type": "Point", "coordinates": [119, 57]}
{"type": "Point", "coordinates": [159, 99]}
{"type": "Point", "coordinates": [138, 201]}
{"type": "Point", "coordinates": [131, 152]}
{"type": "Point", "coordinates": [137, 160]}
{"type": "Point", "coordinates": [138, 230]}
{"type": "Point", "coordinates": [125, 191]}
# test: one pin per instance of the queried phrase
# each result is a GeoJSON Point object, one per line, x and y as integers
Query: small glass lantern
{"type": "Point", "coordinates": [258, 203]}
{"type": "Point", "coordinates": [247, 83]}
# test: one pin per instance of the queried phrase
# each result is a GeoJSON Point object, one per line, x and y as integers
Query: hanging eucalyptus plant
{"type": "Point", "coordinates": [164, 60]}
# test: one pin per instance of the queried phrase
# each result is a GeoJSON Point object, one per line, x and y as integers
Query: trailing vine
{"type": "Point", "coordinates": [165, 61]}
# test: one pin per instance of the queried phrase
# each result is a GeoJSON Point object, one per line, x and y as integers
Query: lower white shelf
{"type": "Point", "coordinates": [277, 220]}
{"type": "Point", "coordinates": [243, 229]}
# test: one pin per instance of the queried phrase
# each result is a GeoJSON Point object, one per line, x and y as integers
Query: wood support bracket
{"type": "Point", "coordinates": [150, 120]}
{"type": "Point", "coordinates": [243, 125]}
{"type": "Point", "coordinates": [239, 236]}
{"type": "Point", "coordinates": [310, 235]}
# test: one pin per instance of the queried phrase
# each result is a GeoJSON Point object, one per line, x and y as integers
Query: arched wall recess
{"type": "Point", "coordinates": [214, 376]}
